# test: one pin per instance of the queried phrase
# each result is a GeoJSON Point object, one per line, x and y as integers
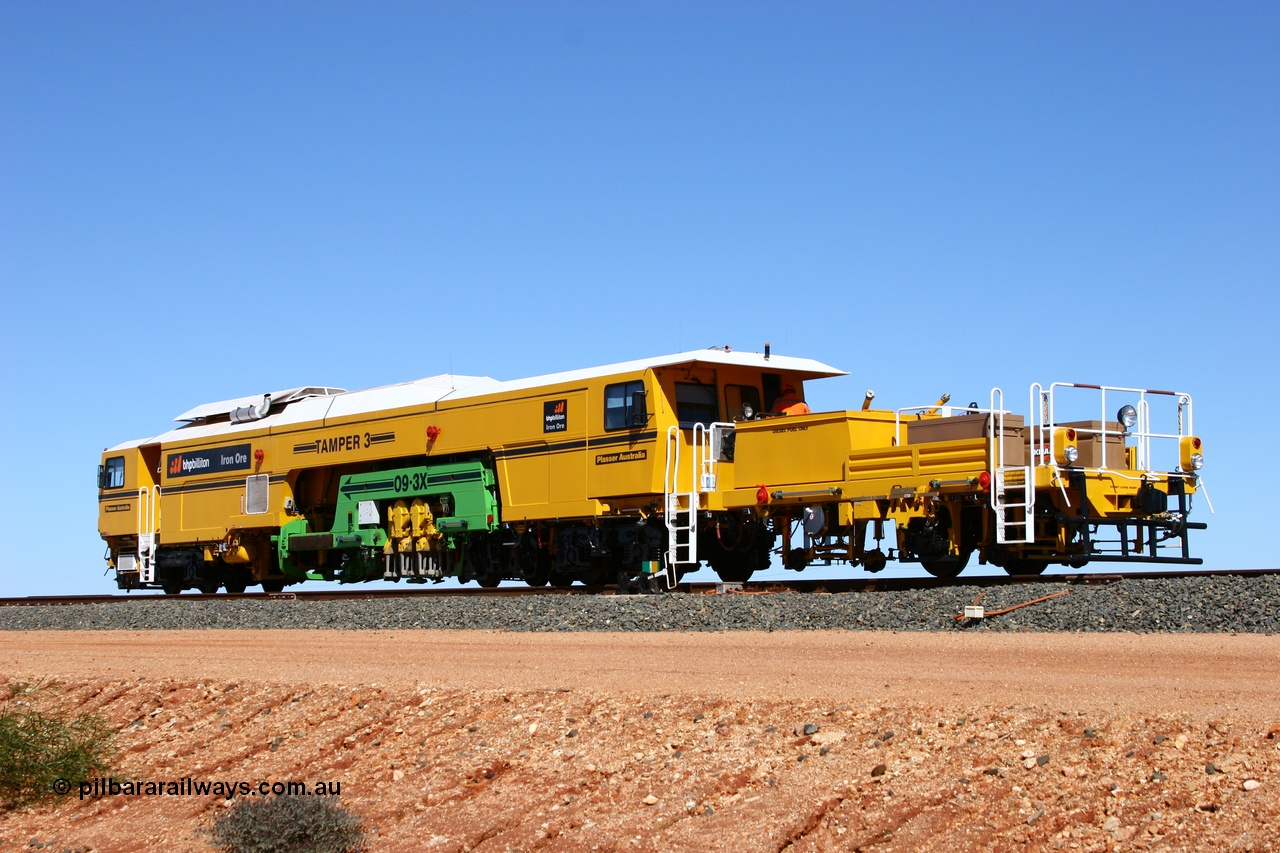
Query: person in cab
{"type": "Point", "coordinates": [789, 403]}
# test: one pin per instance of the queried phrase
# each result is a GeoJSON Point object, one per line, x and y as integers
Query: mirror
{"type": "Point", "coordinates": [639, 409]}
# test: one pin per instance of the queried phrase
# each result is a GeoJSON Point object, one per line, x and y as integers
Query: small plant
{"type": "Point", "coordinates": [288, 824]}
{"type": "Point", "coordinates": [43, 753]}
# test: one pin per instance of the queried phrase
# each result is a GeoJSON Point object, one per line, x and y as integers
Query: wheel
{"type": "Point", "coordinates": [946, 567]}
{"type": "Point", "coordinates": [172, 587]}
{"type": "Point", "coordinates": [537, 570]}
{"type": "Point", "coordinates": [735, 574]}
{"type": "Point", "coordinates": [236, 580]}
{"type": "Point", "coordinates": [736, 559]}
{"type": "Point", "coordinates": [733, 566]}
{"type": "Point", "coordinates": [596, 577]}
{"type": "Point", "coordinates": [273, 585]}
{"type": "Point", "coordinates": [489, 580]}
{"type": "Point", "coordinates": [1025, 566]}
{"type": "Point", "coordinates": [207, 587]}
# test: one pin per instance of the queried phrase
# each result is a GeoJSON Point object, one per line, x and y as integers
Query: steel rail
{"type": "Point", "coordinates": [797, 585]}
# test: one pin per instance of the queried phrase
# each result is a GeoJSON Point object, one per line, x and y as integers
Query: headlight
{"type": "Point", "coordinates": [1191, 453]}
{"type": "Point", "coordinates": [1128, 416]}
{"type": "Point", "coordinates": [1065, 451]}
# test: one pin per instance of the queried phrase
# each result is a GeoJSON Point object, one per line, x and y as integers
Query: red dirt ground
{"type": "Point", "coordinates": [458, 741]}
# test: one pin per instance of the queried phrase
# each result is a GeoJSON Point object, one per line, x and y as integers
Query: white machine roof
{"type": "Point", "coordinates": [278, 398]}
{"type": "Point", "coordinates": [805, 367]}
{"type": "Point", "coordinates": [315, 404]}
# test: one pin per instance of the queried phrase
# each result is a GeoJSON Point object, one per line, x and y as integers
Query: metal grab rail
{"type": "Point", "coordinates": [679, 552]}
{"type": "Point", "coordinates": [1000, 487]}
{"type": "Point", "coordinates": [942, 412]}
{"type": "Point", "coordinates": [707, 446]}
{"type": "Point", "coordinates": [148, 523]}
{"type": "Point", "coordinates": [1045, 402]}
{"type": "Point", "coordinates": [703, 477]}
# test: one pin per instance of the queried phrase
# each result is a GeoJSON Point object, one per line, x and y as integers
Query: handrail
{"type": "Point", "coordinates": [1143, 432]}
{"type": "Point", "coordinates": [944, 412]}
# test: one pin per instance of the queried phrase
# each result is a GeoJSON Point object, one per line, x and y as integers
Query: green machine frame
{"type": "Point", "coordinates": [465, 491]}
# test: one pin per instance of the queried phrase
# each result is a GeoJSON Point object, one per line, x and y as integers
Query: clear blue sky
{"type": "Point", "coordinates": [202, 200]}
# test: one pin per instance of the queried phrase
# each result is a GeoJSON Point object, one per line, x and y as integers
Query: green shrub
{"type": "Point", "coordinates": [37, 748]}
{"type": "Point", "coordinates": [288, 824]}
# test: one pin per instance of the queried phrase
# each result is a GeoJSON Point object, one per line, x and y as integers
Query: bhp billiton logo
{"type": "Point", "coordinates": [175, 465]}
{"type": "Point", "coordinates": [555, 415]}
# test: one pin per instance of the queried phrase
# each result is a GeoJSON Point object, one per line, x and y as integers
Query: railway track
{"type": "Point", "coordinates": [829, 586]}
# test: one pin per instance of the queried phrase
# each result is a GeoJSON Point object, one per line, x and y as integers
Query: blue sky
{"type": "Point", "coordinates": [206, 200]}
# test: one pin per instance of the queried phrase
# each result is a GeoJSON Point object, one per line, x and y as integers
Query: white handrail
{"type": "Point", "coordinates": [671, 467]}
{"type": "Point", "coordinates": [1143, 432]}
{"type": "Point", "coordinates": [999, 505]}
{"type": "Point", "coordinates": [148, 510]}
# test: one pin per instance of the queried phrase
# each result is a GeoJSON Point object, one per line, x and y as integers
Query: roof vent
{"type": "Point", "coordinates": [244, 409]}
{"type": "Point", "coordinates": [251, 413]}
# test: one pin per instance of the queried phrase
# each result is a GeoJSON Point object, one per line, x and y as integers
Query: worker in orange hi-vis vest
{"type": "Point", "coordinates": [789, 403]}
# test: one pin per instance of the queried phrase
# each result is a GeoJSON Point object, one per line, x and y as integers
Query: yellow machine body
{"type": "Point", "coordinates": [612, 471]}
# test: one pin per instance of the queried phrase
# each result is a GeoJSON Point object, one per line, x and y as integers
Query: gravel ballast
{"type": "Point", "coordinates": [1224, 604]}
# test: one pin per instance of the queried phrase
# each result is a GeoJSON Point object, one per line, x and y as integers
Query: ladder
{"type": "Point", "coordinates": [1013, 494]}
{"type": "Point", "coordinates": [148, 517]}
{"type": "Point", "coordinates": [681, 507]}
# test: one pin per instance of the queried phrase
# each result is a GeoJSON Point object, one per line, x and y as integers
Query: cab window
{"type": "Point", "coordinates": [111, 475]}
{"type": "Point", "coordinates": [618, 404]}
{"type": "Point", "coordinates": [738, 396]}
{"type": "Point", "coordinates": [696, 404]}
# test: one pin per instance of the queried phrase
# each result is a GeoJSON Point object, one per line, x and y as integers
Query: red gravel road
{"type": "Point", "coordinates": [610, 741]}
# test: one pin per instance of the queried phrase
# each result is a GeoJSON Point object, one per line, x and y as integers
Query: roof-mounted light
{"type": "Point", "coordinates": [1128, 417]}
